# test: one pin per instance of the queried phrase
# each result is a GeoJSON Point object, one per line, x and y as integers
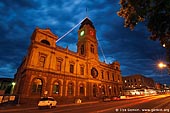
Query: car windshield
{"type": "Point", "coordinates": [44, 99]}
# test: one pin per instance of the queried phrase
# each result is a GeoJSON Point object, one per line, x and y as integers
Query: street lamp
{"type": "Point", "coordinates": [162, 65]}
{"type": "Point", "coordinates": [13, 83]}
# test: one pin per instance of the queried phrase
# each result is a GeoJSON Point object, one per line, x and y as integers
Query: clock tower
{"type": "Point", "coordinates": [87, 45]}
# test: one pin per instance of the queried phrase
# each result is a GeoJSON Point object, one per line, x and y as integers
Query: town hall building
{"type": "Point", "coordinates": [51, 70]}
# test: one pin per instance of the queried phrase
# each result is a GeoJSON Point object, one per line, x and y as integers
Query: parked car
{"type": "Point", "coordinates": [115, 98]}
{"type": "Point", "coordinates": [47, 102]}
{"type": "Point", "coordinates": [106, 99]}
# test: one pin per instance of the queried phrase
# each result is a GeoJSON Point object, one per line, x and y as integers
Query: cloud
{"type": "Point", "coordinates": [18, 19]}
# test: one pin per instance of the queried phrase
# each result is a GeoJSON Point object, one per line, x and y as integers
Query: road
{"type": "Point", "coordinates": [148, 104]}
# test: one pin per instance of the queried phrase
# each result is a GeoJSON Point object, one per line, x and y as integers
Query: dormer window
{"type": "Point", "coordinates": [45, 42]}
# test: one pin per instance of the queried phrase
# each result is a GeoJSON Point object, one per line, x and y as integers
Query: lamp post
{"type": "Point", "coordinates": [162, 65]}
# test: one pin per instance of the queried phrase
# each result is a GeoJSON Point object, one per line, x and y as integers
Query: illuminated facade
{"type": "Point", "coordinates": [51, 70]}
{"type": "Point", "coordinates": [138, 85]}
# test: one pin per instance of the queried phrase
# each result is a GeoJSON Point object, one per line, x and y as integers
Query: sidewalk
{"type": "Point", "coordinates": [14, 107]}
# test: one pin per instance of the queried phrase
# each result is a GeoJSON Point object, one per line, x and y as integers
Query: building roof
{"type": "Point", "coordinates": [6, 79]}
{"type": "Point", "coordinates": [87, 21]}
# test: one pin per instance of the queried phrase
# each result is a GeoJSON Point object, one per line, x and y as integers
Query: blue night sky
{"type": "Point", "coordinates": [134, 50]}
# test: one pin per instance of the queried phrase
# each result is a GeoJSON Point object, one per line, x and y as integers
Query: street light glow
{"type": "Point", "coordinates": [161, 65]}
{"type": "Point", "coordinates": [13, 83]}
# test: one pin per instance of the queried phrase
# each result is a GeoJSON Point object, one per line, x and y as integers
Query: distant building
{"type": "Point", "coordinates": [158, 86]}
{"type": "Point", "coordinates": [138, 85]}
{"type": "Point", "coordinates": [5, 85]}
{"type": "Point", "coordinates": [162, 88]}
{"type": "Point", "coordinates": [51, 70]}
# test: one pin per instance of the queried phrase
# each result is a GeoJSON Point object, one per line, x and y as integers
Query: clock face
{"type": "Point", "coordinates": [82, 33]}
{"type": "Point", "coordinates": [91, 33]}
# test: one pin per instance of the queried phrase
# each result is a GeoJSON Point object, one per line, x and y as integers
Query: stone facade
{"type": "Point", "coordinates": [51, 70]}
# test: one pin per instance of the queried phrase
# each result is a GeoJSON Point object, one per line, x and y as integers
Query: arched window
{"type": "Point", "coordinates": [110, 89]}
{"type": "Point", "coordinates": [81, 89]}
{"type": "Point", "coordinates": [56, 88]}
{"type": "Point", "coordinates": [45, 42]}
{"type": "Point", "coordinates": [37, 86]}
{"type": "Point", "coordinates": [103, 90]}
{"type": "Point", "coordinates": [70, 89]}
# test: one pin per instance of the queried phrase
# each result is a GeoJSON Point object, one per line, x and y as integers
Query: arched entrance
{"type": "Point", "coordinates": [37, 86]}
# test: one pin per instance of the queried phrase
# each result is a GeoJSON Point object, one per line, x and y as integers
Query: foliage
{"type": "Point", "coordinates": [155, 13]}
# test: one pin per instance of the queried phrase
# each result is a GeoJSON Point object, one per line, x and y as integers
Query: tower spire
{"type": "Point", "coordinates": [86, 12]}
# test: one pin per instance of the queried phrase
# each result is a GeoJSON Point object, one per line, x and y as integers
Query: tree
{"type": "Point", "coordinates": [155, 13]}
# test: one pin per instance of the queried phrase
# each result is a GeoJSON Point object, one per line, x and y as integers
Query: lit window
{"type": "Point", "coordinates": [110, 90]}
{"type": "Point", "coordinates": [56, 88]}
{"type": "Point", "coordinates": [37, 86]}
{"type": "Point", "coordinates": [103, 90]}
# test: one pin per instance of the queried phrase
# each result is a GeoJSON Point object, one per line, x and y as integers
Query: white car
{"type": "Point", "coordinates": [47, 102]}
